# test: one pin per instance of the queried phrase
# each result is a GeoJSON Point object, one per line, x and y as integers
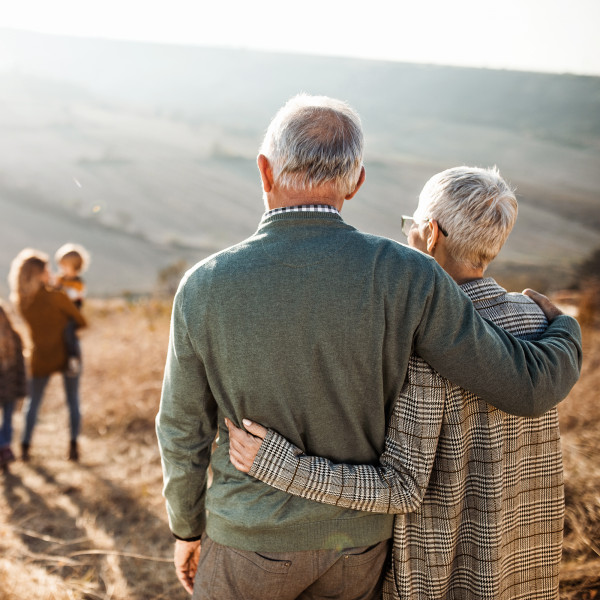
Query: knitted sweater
{"type": "Point", "coordinates": [307, 327]}
{"type": "Point", "coordinates": [47, 316]}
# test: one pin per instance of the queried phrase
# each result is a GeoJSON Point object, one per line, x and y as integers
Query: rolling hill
{"type": "Point", "coordinates": [145, 153]}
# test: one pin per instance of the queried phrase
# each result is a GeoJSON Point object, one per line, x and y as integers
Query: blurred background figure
{"type": "Point", "coordinates": [72, 261]}
{"type": "Point", "coordinates": [12, 383]}
{"type": "Point", "coordinates": [46, 312]}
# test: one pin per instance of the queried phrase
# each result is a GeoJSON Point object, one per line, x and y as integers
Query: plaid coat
{"type": "Point", "coordinates": [478, 492]}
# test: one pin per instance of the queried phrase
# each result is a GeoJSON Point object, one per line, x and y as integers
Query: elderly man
{"type": "Point", "coordinates": [307, 327]}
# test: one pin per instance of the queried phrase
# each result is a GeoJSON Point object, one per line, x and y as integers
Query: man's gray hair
{"type": "Point", "coordinates": [477, 209]}
{"type": "Point", "coordinates": [314, 141]}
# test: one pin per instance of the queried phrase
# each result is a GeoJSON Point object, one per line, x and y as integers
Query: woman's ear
{"type": "Point", "coordinates": [433, 232]}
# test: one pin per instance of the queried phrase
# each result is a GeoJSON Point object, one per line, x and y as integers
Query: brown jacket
{"type": "Point", "coordinates": [47, 317]}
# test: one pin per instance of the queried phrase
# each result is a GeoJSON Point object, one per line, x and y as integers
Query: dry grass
{"type": "Point", "coordinates": [580, 431]}
{"type": "Point", "coordinates": [98, 529]}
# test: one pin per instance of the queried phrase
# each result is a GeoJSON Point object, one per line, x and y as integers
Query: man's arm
{"type": "Point", "coordinates": [396, 485]}
{"type": "Point", "coordinates": [520, 377]}
{"type": "Point", "coordinates": [185, 427]}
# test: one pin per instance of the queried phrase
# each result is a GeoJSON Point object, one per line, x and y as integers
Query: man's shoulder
{"type": "Point", "coordinates": [223, 260]}
{"type": "Point", "coordinates": [386, 254]}
{"type": "Point", "coordinates": [386, 248]}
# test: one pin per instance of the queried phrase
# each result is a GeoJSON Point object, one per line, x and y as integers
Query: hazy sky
{"type": "Point", "coordinates": [537, 35]}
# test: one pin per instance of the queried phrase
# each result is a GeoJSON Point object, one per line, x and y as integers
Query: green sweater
{"type": "Point", "coordinates": [306, 327]}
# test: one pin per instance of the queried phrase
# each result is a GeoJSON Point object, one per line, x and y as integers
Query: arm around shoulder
{"type": "Point", "coordinates": [519, 377]}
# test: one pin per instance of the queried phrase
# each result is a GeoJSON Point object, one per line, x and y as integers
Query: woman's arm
{"type": "Point", "coordinates": [67, 306]}
{"type": "Point", "coordinates": [396, 485]}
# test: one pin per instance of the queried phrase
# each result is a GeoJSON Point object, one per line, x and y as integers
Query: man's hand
{"type": "Point", "coordinates": [187, 555]}
{"type": "Point", "coordinates": [243, 446]}
{"type": "Point", "coordinates": [549, 309]}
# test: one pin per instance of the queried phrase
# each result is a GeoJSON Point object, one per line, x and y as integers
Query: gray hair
{"type": "Point", "coordinates": [314, 141]}
{"type": "Point", "coordinates": [477, 209]}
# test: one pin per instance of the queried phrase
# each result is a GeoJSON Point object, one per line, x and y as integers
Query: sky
{"type": "Point", "coordinates": [532, 35]}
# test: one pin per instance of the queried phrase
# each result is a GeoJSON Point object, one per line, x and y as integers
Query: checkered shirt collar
{"type": "Point", "coordinates": [323, 208]}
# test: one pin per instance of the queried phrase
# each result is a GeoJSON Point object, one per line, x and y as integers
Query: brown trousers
{"type": "Point", "coordinates": [226, 573]}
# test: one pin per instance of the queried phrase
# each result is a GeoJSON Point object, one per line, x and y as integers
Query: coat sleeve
{"type": "Point", "coordinates": [397, 484]}
{"type": "Point", "coordinates": [523, 378]}
{"type": "Point", "coordinates": [186, 425]}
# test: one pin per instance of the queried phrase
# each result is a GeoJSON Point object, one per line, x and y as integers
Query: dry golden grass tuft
{"type": "Point", "coordinates": [97, 530]}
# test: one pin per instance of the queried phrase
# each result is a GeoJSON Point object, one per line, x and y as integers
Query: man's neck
{"type": "Point", "coordinates": [284, 198]}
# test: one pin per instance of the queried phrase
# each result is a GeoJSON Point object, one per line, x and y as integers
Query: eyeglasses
{"type": "Point", "coordinates": [407, 223]}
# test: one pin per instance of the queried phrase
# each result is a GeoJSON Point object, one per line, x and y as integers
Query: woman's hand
{"type": "Point", "coordinates": [243, 446]}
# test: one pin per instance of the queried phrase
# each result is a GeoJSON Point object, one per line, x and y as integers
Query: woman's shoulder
{"type": "Point", "coordinates": [51, 294]}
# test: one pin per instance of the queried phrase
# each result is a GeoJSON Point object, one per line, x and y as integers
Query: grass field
{"type": "Point", "coordinates": [98, 529]}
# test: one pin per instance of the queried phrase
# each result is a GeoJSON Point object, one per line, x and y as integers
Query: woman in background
{"type": "Point", "coordinates": [47, 312]}
{"type": "Point", "coordinates": [12, 383]}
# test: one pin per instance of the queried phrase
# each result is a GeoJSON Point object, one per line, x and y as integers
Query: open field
{"type": "Point", "coordinates": [98, 529]}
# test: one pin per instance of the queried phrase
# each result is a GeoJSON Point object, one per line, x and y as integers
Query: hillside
{"type": "Point", "coordinates": [145, 153]}
{"type": "Point", "coordinates": [98, 530]}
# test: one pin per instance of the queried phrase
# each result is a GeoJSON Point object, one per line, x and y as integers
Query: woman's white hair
{"type": "Point", "coordinates": [314, 141]}
{"type": "Point", "coordinates": [477, 209]}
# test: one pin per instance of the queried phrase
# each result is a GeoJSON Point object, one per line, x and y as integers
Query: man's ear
{"type": "Point", "coordinates": [266, 173]}
{"type": "Point", "coordinates": [433, 233]}
{"type": "Point", "coordinates": [361, 180]}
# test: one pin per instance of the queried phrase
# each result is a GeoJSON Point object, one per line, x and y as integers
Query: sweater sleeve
{"type": "Point", "coordinates": [186, 426]}
{"type": "Point", "coordinates": [524, 378]}
{"type": "Point", "coordinates": [397, 484]}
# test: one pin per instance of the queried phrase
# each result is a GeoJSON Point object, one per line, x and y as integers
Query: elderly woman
{"type": "Point", "coordinates": [478, 492]}
{"type": "Point", "coordinates": [47, 312]}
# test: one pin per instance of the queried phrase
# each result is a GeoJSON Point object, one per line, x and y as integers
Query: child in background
{"type": "Point", "coordinates": [72, 261]}
{"type": "Point", "coordinates": [12, 383]}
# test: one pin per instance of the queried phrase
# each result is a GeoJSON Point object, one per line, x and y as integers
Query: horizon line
{"type": "Point", "coordinates": [291, 52]}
